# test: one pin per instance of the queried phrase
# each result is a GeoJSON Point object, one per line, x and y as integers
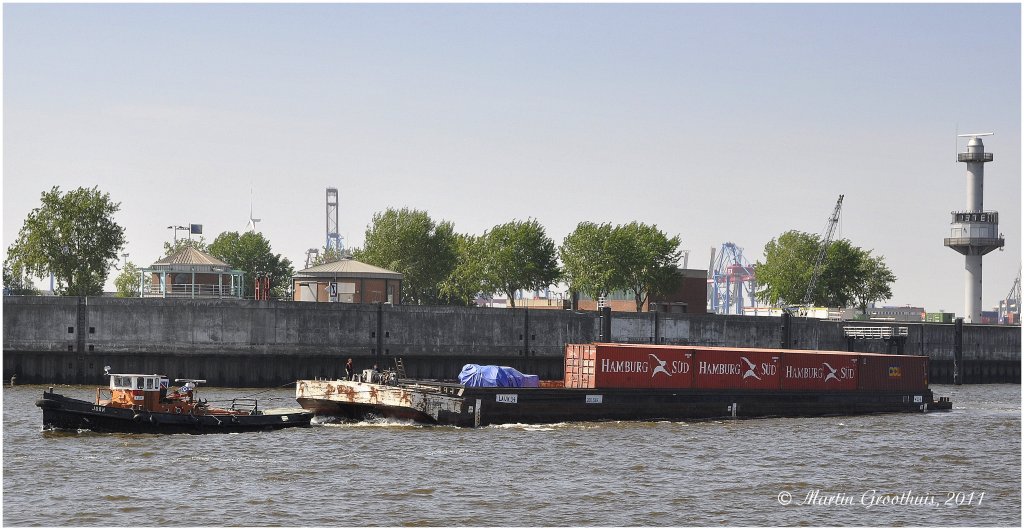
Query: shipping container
{"type": "Point", "coordinates": [736, 368]}
{"type": "Point", "coordinates": [630, 366]}
{"type": "Point", "coordinates": [819, 371]}
{"type": "Point", "coordinates": [944, 318]}
{"type": "Point", "coordinates": [574, 354]}
{"type": "Point", "coordinates": [893, 373]}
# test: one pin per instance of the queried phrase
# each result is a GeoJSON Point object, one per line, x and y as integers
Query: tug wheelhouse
{"type": "Point", "coordinates": [135, 391]}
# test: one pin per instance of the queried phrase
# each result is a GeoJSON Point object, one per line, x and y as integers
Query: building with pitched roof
{"type": "Point", "coordinates": [348, 281]}
{"type": "Point", "coordinates": [191, 273]}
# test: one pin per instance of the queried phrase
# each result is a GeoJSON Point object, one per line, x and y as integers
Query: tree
{"type": "Point", "coordinates": [645, 260]}
{"type": "Point", "coordinates": [16, 282]}
{"type": "Point", "coordinates": [848, 274]}
{"type": "Point", "coordinates": [127, 283]}
{"type": "Point", "coordinates": [466, 280]}
{"type": "Point", "coordinates": [171, 248]}
{"type": "Point", "coordinates": [588, 264]}
{"type": "Point", "coordinates": [518, 255]}
{"type": "Point", "coordinates": [410, 242]}
{"type": "Point", "coordinates": [789, 264]}
{"type": "Point", "coordinates": [875, 281]}
{"type": "Point", "coordinates": [72, 235]}
{"type": "Point", "coordinates": [251, 253]}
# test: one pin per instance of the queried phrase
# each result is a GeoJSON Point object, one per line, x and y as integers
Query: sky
{"type": "Point", "coordinates": [717, 123]}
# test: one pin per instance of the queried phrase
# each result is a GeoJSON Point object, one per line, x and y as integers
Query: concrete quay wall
{"type": "Point", "coordinates": [267, 343]}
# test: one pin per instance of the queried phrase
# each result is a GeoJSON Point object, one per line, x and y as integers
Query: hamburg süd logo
{"type": "Point", "coordinates": [750, 371]}
{"type": "Point", "coordinates": [660, 367]}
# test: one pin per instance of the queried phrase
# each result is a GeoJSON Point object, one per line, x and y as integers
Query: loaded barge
{"type": "Point", "coordinates": [605, 382]}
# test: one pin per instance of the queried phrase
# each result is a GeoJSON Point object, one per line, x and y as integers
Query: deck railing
{"type": "Point", "coordinates": [193, 290]}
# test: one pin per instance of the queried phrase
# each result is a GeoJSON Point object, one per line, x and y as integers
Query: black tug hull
{"type": "Point", "coordinates": [64, 413]}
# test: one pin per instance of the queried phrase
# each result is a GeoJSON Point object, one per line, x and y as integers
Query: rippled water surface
{"type": "Point", "coordinates": [572, 474]}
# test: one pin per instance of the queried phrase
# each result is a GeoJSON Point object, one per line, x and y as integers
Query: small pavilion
{"type": "Point", "coordinates": [348, 281]}
{"type": "Point", "coordinates": [191, 273]}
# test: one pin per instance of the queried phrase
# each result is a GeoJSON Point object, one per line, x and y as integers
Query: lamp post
{"type": "Point", "coordinates": [176, 228]}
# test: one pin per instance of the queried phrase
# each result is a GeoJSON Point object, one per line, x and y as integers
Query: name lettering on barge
{"type": "Point", "coordinates": [826, 372]}
{"type": "Point", "coordinates": [506, 398]}
{"type": "Point", "coordinates": [97, 408]}
{"type": "Point", "coordinates": [746, 369]}
{"type": "Point", "coordinates": [595, 399]}
{"type": "Point", "coordinates": [645, 367]}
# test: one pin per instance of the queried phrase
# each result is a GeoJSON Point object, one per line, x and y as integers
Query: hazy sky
{"type": "Point", "coordinates": [715, 122]}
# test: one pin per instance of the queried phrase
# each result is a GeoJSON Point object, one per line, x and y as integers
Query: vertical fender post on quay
{"type": "Point", "coordinates": [526, 331]}
{"type": "Point", "coordinates": [958, 352]}
{"type": "Point", "coordinates": [606, 324]}
{"type": "Point", "coordinates": [657, 331]}
{"type": "Point", "coordinates": [380, 334]}
{"type": "Point", "coordinates": [787, 322]}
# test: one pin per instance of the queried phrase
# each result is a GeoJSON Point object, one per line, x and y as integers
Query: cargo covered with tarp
{"type": "Point", "coordinates": [496, 376]}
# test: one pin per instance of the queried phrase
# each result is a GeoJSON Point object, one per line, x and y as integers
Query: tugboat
{"type": "Point", "coordinates": [138, 403]}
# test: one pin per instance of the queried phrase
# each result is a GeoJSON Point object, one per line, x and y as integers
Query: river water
{"type": "Point", "coordinates": [881, 470]}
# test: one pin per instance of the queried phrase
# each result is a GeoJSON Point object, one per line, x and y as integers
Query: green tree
{"type": "Point", "coordinates": [16, 282]}
{"type": "Point", "coordinates": [410, 242]}
{"type": "Point", "coordinates": [251, 253]}
{"type": "Point", "coordinates": [875, 282]}
{"type": "Point", "coordinates": [466, 280]}
{"type": "Point", "coordinates": [72, 235]}
{"type": "Point", "coordinates": [787, 269]}
{"type": "Point", "coordinates": [174, 247]}
{"type": "Point", "coordinates": [588, 264]}
{"type": "Point", "coordinates": [127, 283]}
{"type": "Point", "coordinates": [518, 255]}
{"type": "Point", "coordinates": [645, 260]}
{"type": "Point", "coordinates": [848, 274]}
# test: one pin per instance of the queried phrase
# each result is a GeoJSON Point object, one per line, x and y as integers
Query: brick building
{"type": "Point", "coordinates": [348, 281]}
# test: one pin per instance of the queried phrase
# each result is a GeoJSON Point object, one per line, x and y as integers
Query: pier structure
{"type": "Point", "coordinates": [974, 232]}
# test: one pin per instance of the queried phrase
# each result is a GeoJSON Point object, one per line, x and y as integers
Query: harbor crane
{"type": "Point", "coordinates": [1011, 304]}
{"type": "Point", "coordinates": [730, 281]}
{"type": "Point", "coordinates": [830, 229]}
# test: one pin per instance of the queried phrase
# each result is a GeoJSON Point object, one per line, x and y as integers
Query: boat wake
{"type": "Point", "coordinates": [342, 422]}
{"type": "Point", "coordinates": [533, 426]}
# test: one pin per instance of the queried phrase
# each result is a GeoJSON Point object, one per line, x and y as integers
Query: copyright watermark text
{"type": "Point", "coordinates": [878, 499]}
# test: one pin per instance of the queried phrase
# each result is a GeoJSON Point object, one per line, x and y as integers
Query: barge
{"type": "Point", "coordinates": [619, 382]}
{"type": "Point", "coordinates": [139, 403]}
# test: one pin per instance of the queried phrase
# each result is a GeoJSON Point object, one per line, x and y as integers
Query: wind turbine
{"type": "Point", "coordinates": [251, 227]}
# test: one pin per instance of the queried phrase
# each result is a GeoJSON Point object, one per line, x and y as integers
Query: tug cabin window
{"type": "Point", "coordinates": [134, 382]}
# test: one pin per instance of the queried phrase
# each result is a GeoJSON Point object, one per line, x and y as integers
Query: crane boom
{"type": "Point", "coordinates": [827, 240]}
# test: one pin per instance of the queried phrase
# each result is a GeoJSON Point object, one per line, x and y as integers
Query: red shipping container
{"type": "Point", "coordinates": [819, 371]}
{"type": "Point", "coordinates": [893, 373]}
{"type": "Point", "coordinates": [620, 366]}
{"type": "Point", "coordinates": [736, 368]}
{"type": "Point", "coordinates": [574, 360]}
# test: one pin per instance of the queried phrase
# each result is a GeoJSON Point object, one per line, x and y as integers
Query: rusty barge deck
{"type": "Point", "coordinates": [454, 404]}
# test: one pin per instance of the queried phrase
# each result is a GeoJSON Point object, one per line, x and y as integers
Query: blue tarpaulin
{"type": "Point", "coordinates": [498, 376]}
